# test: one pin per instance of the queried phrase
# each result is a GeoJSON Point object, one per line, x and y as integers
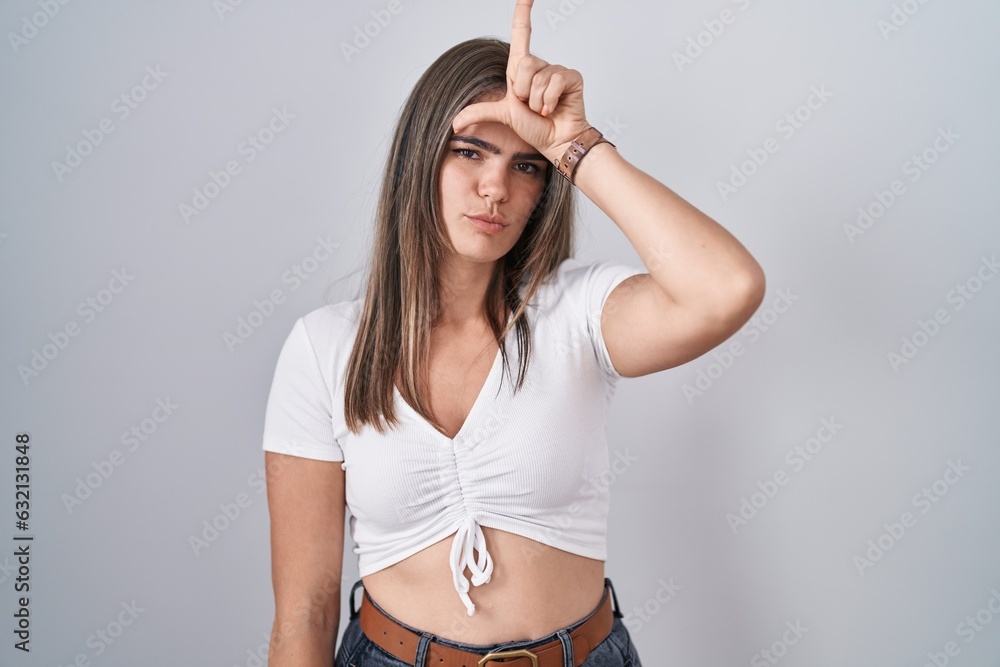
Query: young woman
{"type": "Point", "coordinates": [396, 405]}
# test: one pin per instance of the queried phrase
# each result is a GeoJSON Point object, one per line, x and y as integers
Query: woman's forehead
{"type": "Point", "coordinates": [500, 135]}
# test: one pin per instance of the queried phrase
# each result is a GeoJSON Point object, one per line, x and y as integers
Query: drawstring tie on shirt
{"type": "Point", "coordinates": [468, 537]}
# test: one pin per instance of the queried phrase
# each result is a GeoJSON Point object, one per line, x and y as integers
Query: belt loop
{"type": "Point", "coordinates": [614, 598]}
{"type": "Point", "coordinates": [354, 613]}
{"type": "Point", "coordinates": [423, 647]}
{"type": "Point", "coordinates": [567, 645]}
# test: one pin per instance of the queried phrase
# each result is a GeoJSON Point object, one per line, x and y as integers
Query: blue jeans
{"type": "Point", "coordinates": [357, 650]}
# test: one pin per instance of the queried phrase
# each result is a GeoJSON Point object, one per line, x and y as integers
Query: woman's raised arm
{"type": "Point", "coordinates": [702, 285]}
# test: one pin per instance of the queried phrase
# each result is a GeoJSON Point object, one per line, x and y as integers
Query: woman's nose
{"type": "Point", "coordinates": [493, 184]}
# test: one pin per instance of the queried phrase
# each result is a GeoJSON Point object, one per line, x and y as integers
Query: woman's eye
{"type": "Point", "coordinates": [523, 167]}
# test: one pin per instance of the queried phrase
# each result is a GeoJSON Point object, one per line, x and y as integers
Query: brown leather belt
{"type": "Point", "coordinates": [402, 643]}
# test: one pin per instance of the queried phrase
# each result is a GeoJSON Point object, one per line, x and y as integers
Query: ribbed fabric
{"type": "Point", "coordinates": [529, 464]}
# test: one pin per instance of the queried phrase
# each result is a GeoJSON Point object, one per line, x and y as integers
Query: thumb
{"type": "Point", "coordinates": [481, 112]}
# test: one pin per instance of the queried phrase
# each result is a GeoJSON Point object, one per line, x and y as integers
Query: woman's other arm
{"type": "Point", "coordinates": [306, 502]}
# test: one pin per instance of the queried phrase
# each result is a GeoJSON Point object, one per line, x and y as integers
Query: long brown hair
{"type": "Point", "coordinates": [401, 301]}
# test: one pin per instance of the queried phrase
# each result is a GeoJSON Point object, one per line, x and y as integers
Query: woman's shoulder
{"type": "Point", "coordinates": [570, 269]}
{"type": "Point", "coordinates": [332, 322]}
{"type": "Point", "coordinates": [581, 286]}
{"type": "Point", "coordinates": [569, 276]}
{"type": "Point", "coordinates": [574, 271]}
{"type": "Point", "coordinates": [565, 272]}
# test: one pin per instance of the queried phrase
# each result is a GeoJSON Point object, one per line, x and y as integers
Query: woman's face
{"type": "Point", "coordinates": [488, 162]}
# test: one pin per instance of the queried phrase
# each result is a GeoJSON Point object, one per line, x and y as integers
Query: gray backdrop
{"type": "Point", "coordinates": [181, 181]}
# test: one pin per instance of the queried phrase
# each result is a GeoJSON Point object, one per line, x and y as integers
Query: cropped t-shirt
{"type": "Point", "coordinates": [529, 463]}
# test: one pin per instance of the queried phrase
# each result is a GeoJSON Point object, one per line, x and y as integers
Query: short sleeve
{"type": "Point", "coordinates": [600, 279]}
{"type": "Point", "coordinates": [298, 419]}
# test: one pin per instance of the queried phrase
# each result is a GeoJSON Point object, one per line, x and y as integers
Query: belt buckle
{"type": "Point", "coordinates": [519, 653]}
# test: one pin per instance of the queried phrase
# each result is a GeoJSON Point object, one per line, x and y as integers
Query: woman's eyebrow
{"type": "Point", "coordinates": [485, 145]}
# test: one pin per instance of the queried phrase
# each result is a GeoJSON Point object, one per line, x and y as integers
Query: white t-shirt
{"type": "Point", "coordinates": [530, 463]}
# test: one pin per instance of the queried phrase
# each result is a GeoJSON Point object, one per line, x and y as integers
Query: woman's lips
{"type": "Point", "coordinates": [486, 225]}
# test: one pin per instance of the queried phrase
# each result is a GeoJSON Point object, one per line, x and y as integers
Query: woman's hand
{"type": "Point", "coordinates": [543, 104]}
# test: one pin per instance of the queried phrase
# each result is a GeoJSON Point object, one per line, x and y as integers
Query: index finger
{"type": "Point", "coordinates": [520, 31]}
